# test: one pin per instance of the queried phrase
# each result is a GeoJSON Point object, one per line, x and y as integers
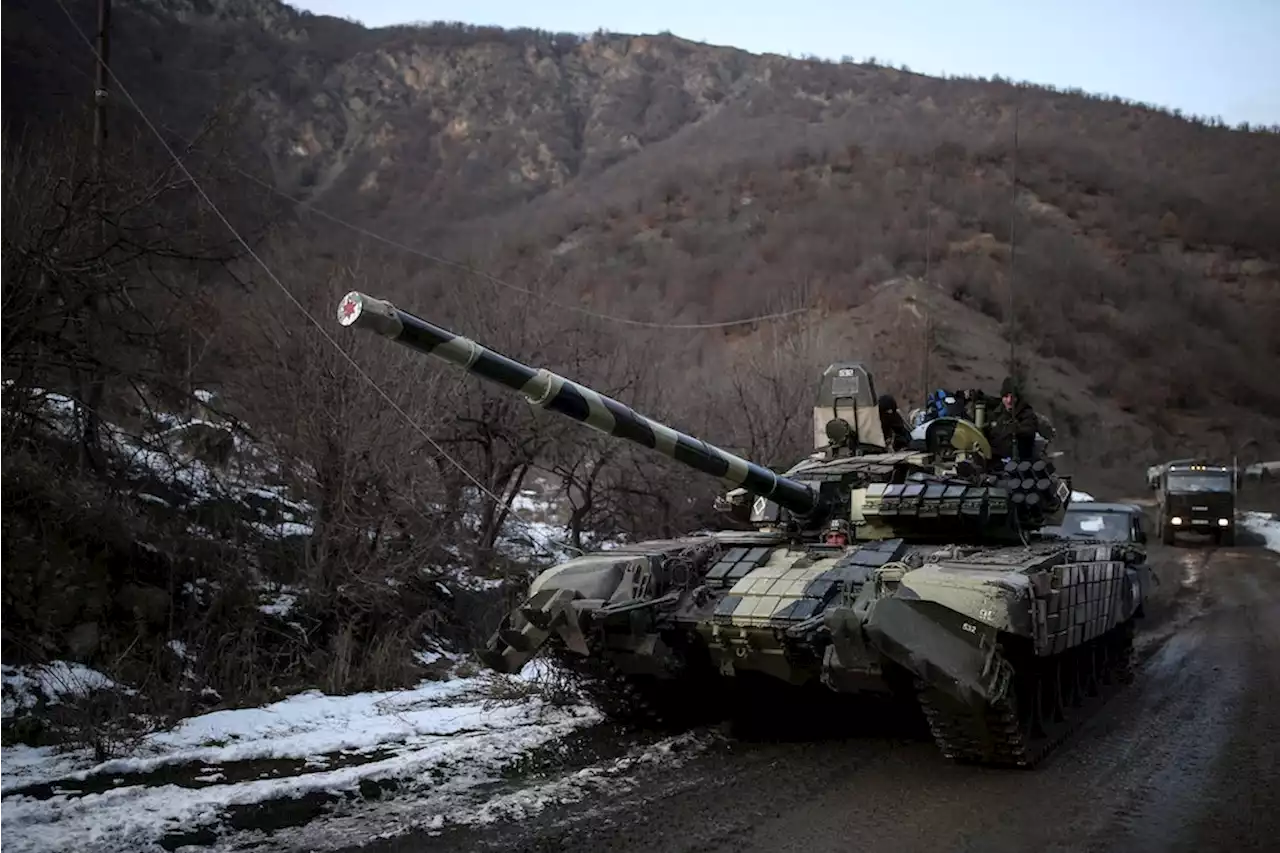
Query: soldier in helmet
{"type": "Point", "coordinates": [1012, 431]}
{"type": "Point", "coordinates": [896, 432]}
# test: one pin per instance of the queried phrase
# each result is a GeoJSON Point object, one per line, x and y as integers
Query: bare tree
{"type": "Point", "coordinates": [103, 272]}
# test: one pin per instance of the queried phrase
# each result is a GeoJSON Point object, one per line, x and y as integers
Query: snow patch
{"type": "Point", "coordinates": [282, 604]}
{"type": "Point", "coordinates": [449, 806]}
{"type": "Point", "coordinates": [25, 687]}
{"type": "Point", "coordinates": [439, 736]}
{"type": "Point", "coordinates": [1081, 497]}
{"type": "Point", "coordinates": [1266, 525]}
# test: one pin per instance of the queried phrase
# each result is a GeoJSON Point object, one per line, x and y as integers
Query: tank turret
{"type": "Point", "coordinates": [950, 487]}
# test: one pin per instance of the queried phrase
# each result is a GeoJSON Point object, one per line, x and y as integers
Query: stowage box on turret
{"type": "Point", "coordinates": [868, 571]}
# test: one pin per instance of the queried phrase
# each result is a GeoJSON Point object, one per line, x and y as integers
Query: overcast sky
{"type": "Point", "coordinates": [1212, 57]}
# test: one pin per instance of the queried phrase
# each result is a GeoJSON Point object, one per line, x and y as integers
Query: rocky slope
{"type": "Point", "coordinates": [660, 178]}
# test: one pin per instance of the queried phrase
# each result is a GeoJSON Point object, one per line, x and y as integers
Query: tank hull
{"type": "Point", "coordinates": [997, 645]}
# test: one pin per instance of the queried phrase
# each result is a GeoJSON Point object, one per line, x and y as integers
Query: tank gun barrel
{"type": "Point", "coordinates": [548, 390]}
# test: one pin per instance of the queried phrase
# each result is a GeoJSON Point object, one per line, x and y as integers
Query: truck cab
{"type": "Point", "coordinates": [1196, 497]}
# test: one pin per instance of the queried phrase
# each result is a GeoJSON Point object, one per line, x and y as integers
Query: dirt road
{"type": "Point", "coordinates": [1187, 759]}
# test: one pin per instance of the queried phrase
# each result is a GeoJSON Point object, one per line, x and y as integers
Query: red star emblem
{"type": "Point", "coordinates": [348, 307]}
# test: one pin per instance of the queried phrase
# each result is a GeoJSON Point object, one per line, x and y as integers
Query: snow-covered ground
{"type": "Point", "coordinates": [1265, 525]}
{"type": "Point", "coordinates": [452, 750]}
{"type": "Point", "coordinates": [440, 744]}
{"type": "Point", "coordinates": [160, 457]}
{"type": "Point", "coordinates": [447, 753]}
{"type": "Point", "coordinates": [25, 687]}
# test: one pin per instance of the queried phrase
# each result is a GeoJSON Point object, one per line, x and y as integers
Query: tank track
{"type": "Point", "coordinates": [642, 702]}
{"type": "Point", "coordinates": [1050, 698]}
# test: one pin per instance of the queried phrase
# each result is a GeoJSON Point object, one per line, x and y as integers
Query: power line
{"type": "Point", "coordinates": [301, 308]}
{"type": "Point", "coordinates": [609, 318]}
{"type": "Point", "coordinates": [479, 273]}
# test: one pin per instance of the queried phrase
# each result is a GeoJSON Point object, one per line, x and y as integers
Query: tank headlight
{"type": "Point", "coordinates": [1176, 520]}
{"type": "Point", "coordinates": [1222, 522]}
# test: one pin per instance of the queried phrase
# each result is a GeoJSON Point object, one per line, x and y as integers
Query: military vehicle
{"type": "Point", "coordinates": [1120, 522]}
{"type": "Point", "coordinates": [914, 574]}
{"type": "Point", "coordinates": [1194, 496]}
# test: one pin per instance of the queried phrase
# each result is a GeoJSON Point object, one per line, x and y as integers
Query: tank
{"type": "Point", "coordinates": [919, 575]}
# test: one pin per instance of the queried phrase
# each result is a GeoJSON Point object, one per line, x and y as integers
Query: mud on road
{"type": "Point", "coordinates": [1186, 759]}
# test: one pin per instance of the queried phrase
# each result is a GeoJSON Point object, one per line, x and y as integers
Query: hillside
{"type": "Point", "coordinates": [663, 179]}
{"type": "Point", "coordinates": [648, 178]}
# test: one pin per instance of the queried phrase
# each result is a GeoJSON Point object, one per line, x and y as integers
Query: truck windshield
{"type": "Point", "coordinates": [1199, 481]}
{"type": "Point", "coordinates": [1096, 525]}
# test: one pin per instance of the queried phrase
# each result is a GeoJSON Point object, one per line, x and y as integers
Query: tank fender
{"type": "Point", "coordinates": [594, 575]}
{"type": "Point", "coordinates": [1002, 600]}
{"type": "Point", "coordinates": [941, 647]}
{"type": "Point", "coordinates": [942, 624]}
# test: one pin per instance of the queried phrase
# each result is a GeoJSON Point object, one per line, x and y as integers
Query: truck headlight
{"type": "Point", "coordinates": [1176, 520]}
{"type": "Point", "coordinates": [1222, 522]}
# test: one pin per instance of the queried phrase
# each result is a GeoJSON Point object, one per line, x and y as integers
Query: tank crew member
{"type": "Point", "coordinates": [1013, 428]}
{"type": "Point", "coordinates": [949, 404]}
{"type": "Point", "coordinates": [896, 432]}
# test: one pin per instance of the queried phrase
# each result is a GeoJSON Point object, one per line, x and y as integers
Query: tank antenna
{"type": "Point", "coordinates": [928, 234]}
{"type": "Point", "coordinates": [1013, 215]}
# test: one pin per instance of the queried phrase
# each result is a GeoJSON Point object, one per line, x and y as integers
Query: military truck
{"type": "Point", "coordinates": [1194, 496]}
{"type": "Point", "coordinates": [913, 575]}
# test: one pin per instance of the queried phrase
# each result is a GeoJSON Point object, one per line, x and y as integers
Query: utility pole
{"type": "Point", "coordinates": [93, 387]}
{"type": "Point", "coordinates": [100, 84]}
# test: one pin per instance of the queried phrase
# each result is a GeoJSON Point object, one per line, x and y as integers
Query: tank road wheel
{"type": "Point", "coordinates": [1030, 704]}
{"type": "Point", "coordinates": [1075, 677]}
{"type": "Point", "coordinates": [1043, 709]}
{"type": "Point", "coordinates": [1102, 664]}
{"type": "Point", "coordinates": [1090, 671]}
